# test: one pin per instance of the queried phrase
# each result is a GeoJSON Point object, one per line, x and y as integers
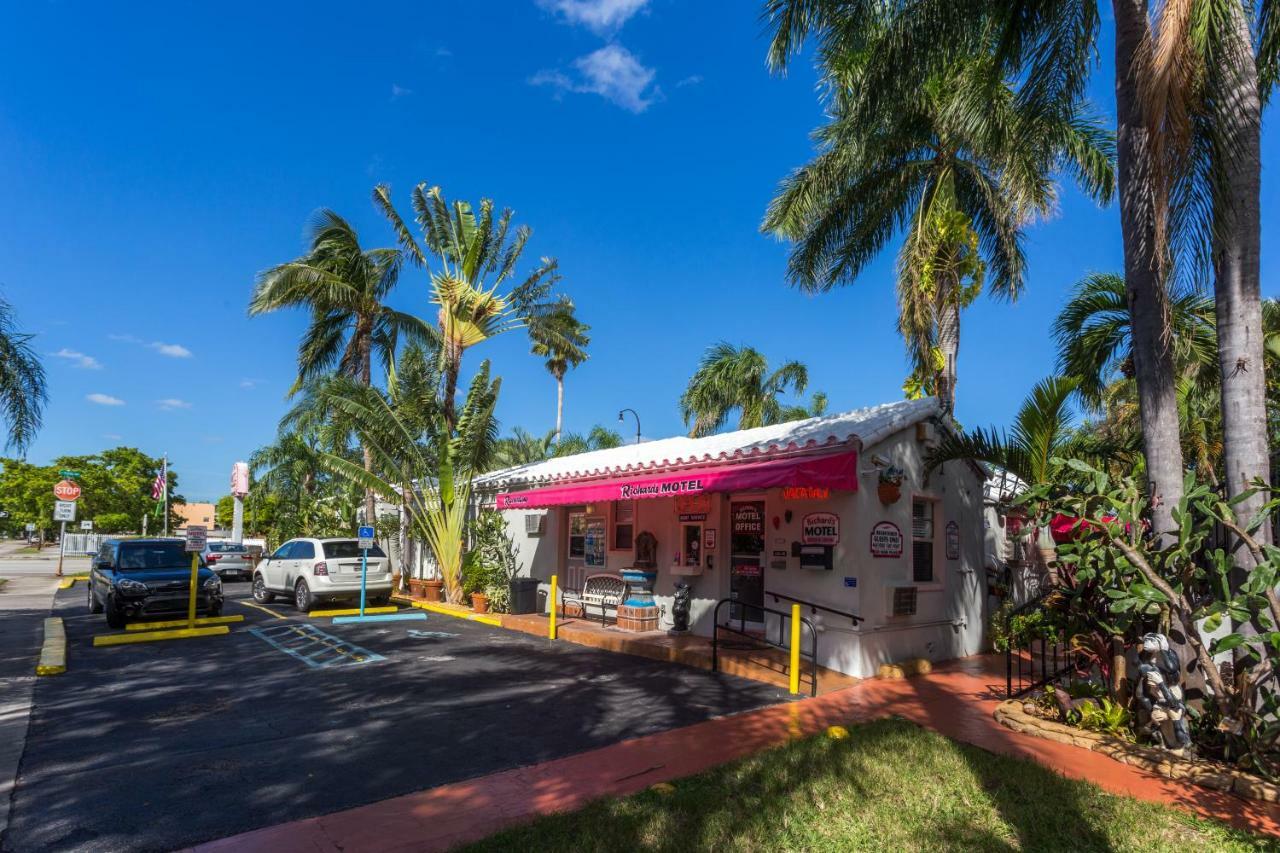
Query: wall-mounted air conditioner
{"type": "Point", "coordinates": [535, 523]}
{"type": "Point", "coordinates": [902, 601]}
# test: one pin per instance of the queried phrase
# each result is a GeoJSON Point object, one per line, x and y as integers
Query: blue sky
{"type": "Point", "coordinates": [154, 160]}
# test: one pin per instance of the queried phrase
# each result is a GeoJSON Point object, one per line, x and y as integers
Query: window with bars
{"type": "Point", "coordinates": [922, 541]}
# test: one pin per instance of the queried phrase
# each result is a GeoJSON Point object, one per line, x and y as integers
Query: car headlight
{"type": "Point", "coordinates": [132, 587]}
{"type": "Point", "coordinates": [213, 585]}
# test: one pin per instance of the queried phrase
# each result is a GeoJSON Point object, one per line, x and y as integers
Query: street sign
{"type": "Point", "coordinates": [365, 534]}
{"type": "Point", "coordinates": [197, 536]}
{"type": "Point", "coordinates": [87, 524]}
{"type": "Point", "coordinates": [68, 475]}
{"type": "Point", "coordinates": [31, 527]}
{"type": "Point", "coordinates": [4, 513]}
{"type": "Point", "coordinates": [65, 490]}
{"type": "Point", "coordinates": [64, 510]}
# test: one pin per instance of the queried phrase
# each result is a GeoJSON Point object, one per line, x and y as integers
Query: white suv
{"type": "Point", "coordinates": [312, 570]}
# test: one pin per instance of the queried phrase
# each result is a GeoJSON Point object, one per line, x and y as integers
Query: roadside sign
{"type": "Point", "coordinates": [197, 536]}
{"type": "Point", "coordinates": [87, 524]}
{"type": "Point", "coordinates": [31, 527]}
{"type": "Point", "coordinates": [64, 510]}
{"type": "Point", "coordinates": [68, 475]}
{"type": "Point", "coordinates": [365, 535]}
{"type": "Point", "coordinates": [4, 513]}
{"type": "Point", "coordinates": [65, 490]}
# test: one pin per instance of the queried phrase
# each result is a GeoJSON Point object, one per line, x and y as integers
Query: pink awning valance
{"type": "Point", "coordinates": [837, 471]}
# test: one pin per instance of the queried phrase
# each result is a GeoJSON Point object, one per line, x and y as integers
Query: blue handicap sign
{"type": "Point", "coordinates": [365, 533]}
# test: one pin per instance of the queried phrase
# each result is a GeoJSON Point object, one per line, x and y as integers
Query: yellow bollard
{"type": "Point", "coordinates": [795, 648]}
{"type": "Point", "coordinates": [551, 634]}
{"type": "Point", "coordinates": [191, 603]}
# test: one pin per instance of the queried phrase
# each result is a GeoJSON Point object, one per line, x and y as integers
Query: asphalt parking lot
{"type": "Point", "coordinates": [159, 745]}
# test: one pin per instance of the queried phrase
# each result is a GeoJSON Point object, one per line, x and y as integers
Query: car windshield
{"type": "Point", "coordinates": [348, 548]}
{"type": "Point", "coordinates": [149, 556]}
{"type": "Point", "coordinates": [227, 548]}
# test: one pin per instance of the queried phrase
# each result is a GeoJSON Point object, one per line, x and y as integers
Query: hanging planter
{"type": "Point", "coordinates": [889, 489]}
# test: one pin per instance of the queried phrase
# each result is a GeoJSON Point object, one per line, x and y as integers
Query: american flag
{"type": "Point", "coordinates": [158, 486]}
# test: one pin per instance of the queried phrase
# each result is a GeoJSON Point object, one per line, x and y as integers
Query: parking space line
{"type": "Point", "coordinates": [259, 607]}
{"type": "Point", "coordinates": [310, 645]}
{"type": "Point", "coordinates": [182, 623]}
{"type": "Point", "coordinates": [351, 611]}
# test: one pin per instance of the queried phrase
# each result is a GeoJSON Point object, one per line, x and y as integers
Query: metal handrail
{"type": "Point", "coordinates": [716, 628]}
{"type": "Point", "coordinates": [814, 608]}
{"type": "Point", "coordinates": [1048, 672]}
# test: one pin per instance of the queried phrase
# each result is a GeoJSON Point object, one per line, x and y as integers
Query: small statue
{"type": "Point", "coordinates": [646, 551]}
{"type": "Point", "coordinates": [680, 608]}
{"type": "Point", "coordinates": [1159, 694]}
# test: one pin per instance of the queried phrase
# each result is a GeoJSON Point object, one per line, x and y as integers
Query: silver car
{"type": "Point", "coordinates": [229, 560]}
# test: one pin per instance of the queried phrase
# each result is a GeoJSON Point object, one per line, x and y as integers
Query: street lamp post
{"type": "Point", "coordinates": [634, 414]}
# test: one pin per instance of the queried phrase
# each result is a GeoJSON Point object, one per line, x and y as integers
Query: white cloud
{"type": "Point", "coordinates": [88, 362]}
{"type": "Point", "coordinates": [104, 400]}
{"type": "Point", "coordinates": [250, 383]}
{"type": "Point", "coordinates": [443, 52]}
{"type": "Point", "coordinates": [128, 339]}
{"type": "Point", "coordinates": [398, 91]}
{"type": "Point", "coordinates": [599, 16]}
{"type": "Point", "coordinates": [691, 80]}
{"type": "Point", "coordinates": [112, 436]}
{"type": "Point", "coordinates": [171, 350]}
{"type": "Point", "coordinates": [611, 72]}
{"type": "Point", "coordinates": [170, 404]}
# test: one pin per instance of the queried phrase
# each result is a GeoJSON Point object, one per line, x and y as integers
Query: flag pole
{"type": "Point", "coordinates": [164, 474]}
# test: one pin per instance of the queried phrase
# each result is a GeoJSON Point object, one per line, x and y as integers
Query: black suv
{"type": "Point", "coordinates": [144, 577]}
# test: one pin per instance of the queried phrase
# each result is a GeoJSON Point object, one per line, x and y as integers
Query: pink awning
{"type": "Point", "coordinates": [838, 471]}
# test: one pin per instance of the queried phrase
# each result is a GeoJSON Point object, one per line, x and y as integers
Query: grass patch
{"type": "Point", "coordinates": [890, 785]}
{"type": "Point", "coordinates": [30, 549]}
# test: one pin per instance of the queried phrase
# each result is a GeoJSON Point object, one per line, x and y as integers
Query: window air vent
{"type": "Point", "coordinates": [902, 601]}
{"type": "Point", "coordinates": [535, 523]}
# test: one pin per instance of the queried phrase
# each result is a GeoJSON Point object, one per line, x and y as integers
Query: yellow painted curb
{"type": "Point", "coordinates": [456, 613]}
{"type": "Point", "coordinates": [66, 583]}
{"type": "Point", "coordinates": [151, 636]}
{"type": "Point", "coordinates": [182, 623]}
{"type": "Point", "coordinates": [353, 611]}
{"type": "Point", "coordinates": [53, 654]}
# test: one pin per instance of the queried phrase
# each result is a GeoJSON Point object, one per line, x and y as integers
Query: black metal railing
{"type": "Point", "coordinates": [814, 608]}
{"type": "Point", "coordinates": [1033, 661]}
{"type": "Point", "coordinates": [763, 639]}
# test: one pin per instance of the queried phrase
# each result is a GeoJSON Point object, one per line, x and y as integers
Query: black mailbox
{"type": "Point", "coordinates": [816, 557]}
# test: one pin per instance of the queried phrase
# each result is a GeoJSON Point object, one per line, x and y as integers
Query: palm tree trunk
{"type": "Point", "coordinates": [364, 341]}
{"type": "Point", "coordinates": [1152, 351]}
{"type": "Point", "coordinates": [452, 367]}
{"type": "Point", "coordinates": [1237, 295]}
{"type": "Point", "coordinates": [948, 341]}
{"type": "Point", "coordinates": [559, 404]}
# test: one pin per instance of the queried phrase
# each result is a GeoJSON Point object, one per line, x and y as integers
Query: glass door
{"type": "Point", "coordinates": [746, 562]}
{"type": "Point", "coordinates": [586, 547]}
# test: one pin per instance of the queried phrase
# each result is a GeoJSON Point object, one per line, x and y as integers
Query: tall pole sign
{"type": "Point", "coordinates": [66, 491]}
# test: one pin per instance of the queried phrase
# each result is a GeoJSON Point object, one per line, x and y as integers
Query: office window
{"type": "Point", "coordinates": [922, 541]}
{"type": "Point", "coordinates": [624, 525]}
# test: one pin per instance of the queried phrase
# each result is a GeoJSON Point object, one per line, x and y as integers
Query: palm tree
{"type": "Point", "coordinates": [1095, 341]}
{"type": "Point", "coordinates": [1048, 45]}
{"type": "Point", "coordinates": [600, 438]}
{"type": "Point", "coordinates": [560, 338]}
{"type": "Point", "coordinates": [22, 383]}
{"type": "Point", "coordinates": [1041, 431]}
{"type": "Point", "coordinates": [959, 166]}
{"type": "Point", "coordinates": [730, 379]}
{"type": "Point", "coordinates": [345, 287]}
{"type": "Point", "coordinates": [476, 256]}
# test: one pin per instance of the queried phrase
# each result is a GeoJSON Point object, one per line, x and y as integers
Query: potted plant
{"type": "Point", "coordinates": [433, 589]}
{"type": "Point", "coordinates": [889, 489]}
{"type": "Point", "coordinates": [479, 602]}
{"type": "Point", "coordinates": [417, 587]}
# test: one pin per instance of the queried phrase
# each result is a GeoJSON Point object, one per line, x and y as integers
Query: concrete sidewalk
{"type": "Point", "coordinates": [957, 701]}
{"type": "Point", "coordinates": [24, 603]}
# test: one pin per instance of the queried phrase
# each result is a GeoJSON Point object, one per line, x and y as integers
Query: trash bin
{"type": "Point", "coordinates": [524, 595]}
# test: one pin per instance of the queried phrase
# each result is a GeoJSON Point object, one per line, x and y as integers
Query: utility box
{"type": "Point", "coordinates": [524, 595]}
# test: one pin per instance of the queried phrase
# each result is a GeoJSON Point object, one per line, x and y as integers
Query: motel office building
{"type": "Point", "coordinates": [764, 516]}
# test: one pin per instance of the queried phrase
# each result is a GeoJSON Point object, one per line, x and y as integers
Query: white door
{"type": "Point", "coordinates": [273, 569]}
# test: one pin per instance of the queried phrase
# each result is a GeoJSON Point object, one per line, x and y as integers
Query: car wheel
{"type": "Point", "coordinates": [260, 592]}
{"type": "Point", "coordinates": [115, 614]}
{"type": "Point", "coordinates": [95, 606]}
{"type": "Point", "coordinates": [302, 597]}
{"type": "Point", "coordinates": [215, 610]}
{"type": "Point", "coordinates": [379, 600]}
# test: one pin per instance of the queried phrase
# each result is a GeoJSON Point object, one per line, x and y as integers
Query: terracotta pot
{"type": "Point", "coordinates": [417, 587]}
{"type": "Point", "coordinates": [434, 589]}
{"type": "Point", "coordinates": [889, 493]}
{"type": "Point", "coordinates": [479, 602]}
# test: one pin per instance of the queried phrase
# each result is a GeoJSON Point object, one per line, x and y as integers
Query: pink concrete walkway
{"type": "Point", "coordinates": [956, 700]}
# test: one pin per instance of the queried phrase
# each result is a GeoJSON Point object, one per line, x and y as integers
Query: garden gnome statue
{"type": "Point", "coordinates": [680, 609]}
{"type": "Point", "coordinates": [1159, 694]}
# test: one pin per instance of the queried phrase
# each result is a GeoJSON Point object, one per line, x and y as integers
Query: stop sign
{"type": "Point", "coordinates": [66, 490]}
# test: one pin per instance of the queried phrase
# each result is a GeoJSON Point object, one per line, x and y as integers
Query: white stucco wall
{"type": "Point", "coordinates": [951, 612]}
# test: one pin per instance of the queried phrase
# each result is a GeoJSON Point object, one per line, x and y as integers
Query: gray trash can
{"type": "Point", "coordinates": [524, 595]}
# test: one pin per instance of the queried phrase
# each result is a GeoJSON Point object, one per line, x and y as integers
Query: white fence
{"type": "Point", "coordinates": [81, 543]}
